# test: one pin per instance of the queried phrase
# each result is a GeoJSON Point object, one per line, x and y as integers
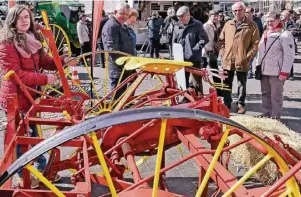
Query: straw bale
{"type": "Point", "coordinates": [247, 156]}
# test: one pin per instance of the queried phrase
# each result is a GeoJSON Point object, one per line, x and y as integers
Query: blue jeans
{"type": "Point", "coordinates": [41, 161]}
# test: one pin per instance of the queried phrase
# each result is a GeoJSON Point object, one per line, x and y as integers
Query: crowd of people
{"type": "Point", "coordinates": [240, 42]}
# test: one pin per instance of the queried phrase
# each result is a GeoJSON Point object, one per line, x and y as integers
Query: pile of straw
{"type": "Point", "coordinates": [246, 156]}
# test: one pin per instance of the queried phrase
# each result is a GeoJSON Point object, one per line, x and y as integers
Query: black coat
{"type": "Point", "coordinates": [192, 37]}
{"type": "Point", "coordinates": [169, 24]}
{"type": "Point", "coordinates": [154, 27]}
{"type": "Point", "coordinates": [116, 37]}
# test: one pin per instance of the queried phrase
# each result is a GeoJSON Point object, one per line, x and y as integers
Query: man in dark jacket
{"type": "Point", "coordinates": [250, 15]}
{"type": "Point", "coordinates": [191, 35]}
{"type": "Point", "coordinates": [115, 37]}
{"type": "Point", "coordinates": [169, 24]}
{"type": "Point", "coordinates": [154, 28]}
{"type": "Point", "coordinates": [100, 45]}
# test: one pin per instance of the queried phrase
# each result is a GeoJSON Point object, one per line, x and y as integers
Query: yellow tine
{"type": "Point", "coordinates": [90, 76]}
{"type": "Point", "coordinates": [129, 91]}
{"type": "Point", "coordinates": [67, 115]}
{"type": "Point", "coordinates": [60, 49]}
{"type": "Point", "coordinates": [121, 76]}
{"type": "Point", "coordinates": [103, 164]}
{"type": "Point", "coordinates": [141, 95]}
{"type": "Point", "coordinates": [106, 78]}
{"type": "Point", "coordinates": [180, 150]}
{"type": "Point", "coordinates": [51, 88]}
{"type": "Point", "coordinates": [159, 157]}
{"type": "Point", "coordinates": [8, 74]}
{"type": "Point", "coordinates": [46, 182]}
{"type": "Point", "coordinates": [212, 164]}
{"type": "Point", "coordinates": [248, 175]}
{"type": "Point", "coordinates": [76, 84]}
{"type": "Point", "coordinates": [61, 43]}
{"type": "Point", "coordinates": [286, 193]}
{"type": "Point", "coordinates": [57, 36]}
{"type": "Point", "coordinates": [227, 89]}
{"type": "Point", "coordinates": [159, 78]}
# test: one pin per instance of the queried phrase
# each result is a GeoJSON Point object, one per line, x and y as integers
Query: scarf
{"type": "Point", "coordinates": [28, 44]}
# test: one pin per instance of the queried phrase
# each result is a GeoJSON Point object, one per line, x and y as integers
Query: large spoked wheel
{"type": "Point", "coordinates": [99, 90]}
{"type": "Point", "coordinates": [129, 133]}
{"type": "Point", "coordinates": [101, 99]}
{"type": "Point", "coordinates": [61, 39]}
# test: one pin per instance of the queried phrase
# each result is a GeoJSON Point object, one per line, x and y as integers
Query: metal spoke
{"type": "Point", "coordinates": [159, 157]}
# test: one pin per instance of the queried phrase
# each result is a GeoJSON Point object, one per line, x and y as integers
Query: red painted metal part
{"type": "Point", "coordinates": [146, 192]}
{"type": "Point", "coordinates": [56, 57]}
{"type": "Point", "coordinates": [138, 138]}
{"type": "Point", "coordinates": [129, 140]}
{"type": "Point", "coordinates": [220, 175]}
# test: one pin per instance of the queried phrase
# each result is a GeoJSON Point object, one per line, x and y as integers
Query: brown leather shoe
{"type": "Point", "coordinates": [241, 109]}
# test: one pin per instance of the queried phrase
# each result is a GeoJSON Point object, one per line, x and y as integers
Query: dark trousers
{"type": "Point", "coordinates": [213, 65]}
{"type": "Point", "coordinates": [102, 55]}
{"type": "Point", "coordinates": [154, 47]}
{"type": "Point", "coordinates": [86, 47]}
{"type": "Point", "coordinates": [242, 87]}
{"type": "Point", "coordinates": [194, 81]}
{"type": "Point", "coordinates": [114, 83]}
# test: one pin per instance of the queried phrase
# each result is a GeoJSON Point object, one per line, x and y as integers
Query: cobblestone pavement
{"type": "Point", "coordinates": [183, 179]}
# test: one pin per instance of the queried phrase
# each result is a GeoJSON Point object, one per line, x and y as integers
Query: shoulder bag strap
{"type": "Point", "coordinates": [269, 46]}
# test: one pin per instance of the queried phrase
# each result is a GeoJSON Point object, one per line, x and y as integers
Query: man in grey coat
{"type": "Point", "coordinates": [191, 35]}
{"type": "Point", "coordinates": [116, 37]}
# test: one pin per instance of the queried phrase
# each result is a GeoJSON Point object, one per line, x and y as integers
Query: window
{"type": "Point", "coordinates": [155, 6]}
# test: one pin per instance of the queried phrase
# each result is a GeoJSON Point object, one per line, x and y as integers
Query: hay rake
{"type": "Point", "coordinates": [113, 132]}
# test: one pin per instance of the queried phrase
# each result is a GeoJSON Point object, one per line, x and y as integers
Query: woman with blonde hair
{"type": "Point", "coordinates": [131, 22]}
{"type": "Point", "coordinates": [21, 51]}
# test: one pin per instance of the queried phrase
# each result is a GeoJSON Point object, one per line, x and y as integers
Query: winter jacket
{"type": "Point", "coordinates": [154, 27]}
{"type": "Point", "coordinates": [169, 24]}
{"type": "Point", "coordinates": [212, 31]}
{"type": "Point", "coordinates": [116, 37]}
{"type": "Point", "coordinates": [259, 24]}
{"type": "Point", "coordinates": [102, 24]}
{"type": "Point", "coordinates": [27, 69]}
{"type": "Point", "coordinates": [133, 37]}
{"type": "Point", "coordinates": [82, 32]}
{"type": "Point", "coordinates": [238, 46]}
{"type": "Point", "coordinates": [192, 37]}
{"type": "Point", "coordinates": [280, 58]}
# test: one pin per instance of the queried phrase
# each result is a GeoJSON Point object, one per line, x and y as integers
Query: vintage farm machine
{"type": "Point", "coordinates": [111, 133]}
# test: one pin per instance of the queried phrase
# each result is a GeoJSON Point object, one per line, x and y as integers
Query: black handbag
{"type": "Point", "coordinates": [258, 69]}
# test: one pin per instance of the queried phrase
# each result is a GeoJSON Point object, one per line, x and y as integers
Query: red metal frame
{"type": "Point", "coordinates": [131, 139]}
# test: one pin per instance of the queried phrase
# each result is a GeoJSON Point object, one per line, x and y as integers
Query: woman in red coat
{"type": "Point", "coordinates": [21, 50]}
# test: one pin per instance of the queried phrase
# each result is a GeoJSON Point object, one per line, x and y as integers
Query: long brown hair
{"type": "Point", "coordinates": [9, 30]}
